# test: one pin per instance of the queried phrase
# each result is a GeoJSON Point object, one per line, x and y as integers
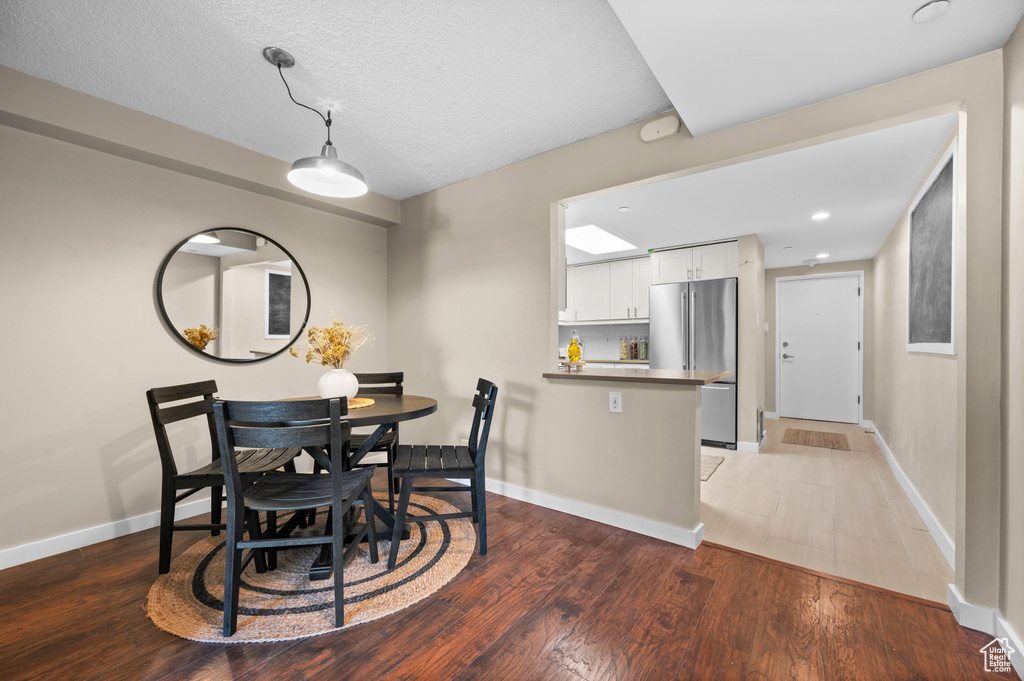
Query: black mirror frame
{"type": "Point", "coordinates": [229, 360]}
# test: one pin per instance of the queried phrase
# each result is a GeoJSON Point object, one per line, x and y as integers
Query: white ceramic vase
{"type": "Point", "coordinates": [338, 383]}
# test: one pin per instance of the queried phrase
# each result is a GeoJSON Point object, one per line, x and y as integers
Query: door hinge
{"type": "Point", "coordinates": [858, 399]}
{"type": "Point", "coordinates": [858, 290]}
{"type": "Point", "coordinates": [858, 345]}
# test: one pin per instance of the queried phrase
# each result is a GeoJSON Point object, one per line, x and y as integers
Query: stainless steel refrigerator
{"type": "Point", "coordinates": [693, 326]}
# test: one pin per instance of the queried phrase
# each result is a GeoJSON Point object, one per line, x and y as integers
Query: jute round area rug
{"type": "Point", "coordinates": [283, 604]}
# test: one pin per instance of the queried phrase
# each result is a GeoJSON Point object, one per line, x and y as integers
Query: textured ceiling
{"type": "Point", "coordinates": [727, 63]}
{"type": "Point", "coordinates": [865, 182]}
{"type": "Point", "coordinates": [423, 92]}
{"type": "Point", "coordinates": [428, 92]}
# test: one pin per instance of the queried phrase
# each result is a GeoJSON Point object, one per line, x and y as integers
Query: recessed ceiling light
{"type": "Point", "coordinates": [820, 215]}
{"type": "Point", "coordinates": [930, 10]}
{"type": "Point", "coordinates": [787, 248]}
{"type": "Point", "coordinates": [625, 209]}
{"type": "Point", "coordinates": [821, 256]}
{"type": "Point", "coordinates": [595, 240]}
{"type": "Point", "coordinates": [208, 238]}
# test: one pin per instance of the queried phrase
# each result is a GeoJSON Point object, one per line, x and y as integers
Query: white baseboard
{"type": "Point", "coordinates": [944, 541]}
{"type": "Point", "coordinates": [754, 447]}
{"type": "Point", "coordinates": [677, 535]}
{"type": "Point", "coordinates": [989, 621]}
{"type": "Point", "coordinates": [16, 555]}
{"type": "Point", "coordinates": [771, 414]}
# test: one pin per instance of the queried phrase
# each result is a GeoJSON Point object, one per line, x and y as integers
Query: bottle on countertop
{"type": "Point", "coordinates": [575, 353]}
{"type": "Point", "coordinates": [633, 349]}
{"type": "Point", "coordinates": [643, 348]}
{"type": "Point", "coordinates": [623, 347]}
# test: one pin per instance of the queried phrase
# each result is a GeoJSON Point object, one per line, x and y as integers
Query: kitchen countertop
{"type": "Point", "coordinates": [616, 361]}
{"type": "Point", "coordinates": [630, 375]}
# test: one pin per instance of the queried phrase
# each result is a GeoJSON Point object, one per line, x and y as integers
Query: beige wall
{"type": "Point", "coordinates": [915, 394]}
{"type": "Point", "coordinates": [1011, 601]}
{"type": "Point", "coordinates": [473, 291]}
{"type": "Point", "coordinates": [82, 241]}
{"type": "Point", "coordinates": [770, 277]}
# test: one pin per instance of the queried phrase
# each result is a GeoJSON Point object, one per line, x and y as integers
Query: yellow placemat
{"type": "Point", "coordinates": [359, 402]}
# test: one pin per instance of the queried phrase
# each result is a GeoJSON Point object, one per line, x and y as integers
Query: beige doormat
{"type": "Point", "coordinates": [708, 464]}
{"type": "Point", "coordinates": [814, 438]}
{"type": "Point", "coordinates": [283, 604]}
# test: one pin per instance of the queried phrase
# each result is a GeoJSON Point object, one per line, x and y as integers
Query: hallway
{"type": "Point", "coordinates": [835, 511]}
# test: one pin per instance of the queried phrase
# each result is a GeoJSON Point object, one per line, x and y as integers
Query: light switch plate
{"type": "Point", "coordinates": [615, 403]}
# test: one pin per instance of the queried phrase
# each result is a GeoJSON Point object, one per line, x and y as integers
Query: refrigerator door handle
{"type": "Point", "coordinates": [689, 331]}
{"type": "Point", "coordinates": [683, 317]}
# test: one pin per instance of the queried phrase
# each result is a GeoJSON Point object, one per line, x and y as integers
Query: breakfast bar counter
{"type": "Point", "coordinates": [630, 447]}
{"type": "Point", "coordinates": [630, 375]}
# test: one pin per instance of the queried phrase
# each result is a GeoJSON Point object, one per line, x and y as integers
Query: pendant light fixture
{"type": "Point", "coordinates": [324, 174]}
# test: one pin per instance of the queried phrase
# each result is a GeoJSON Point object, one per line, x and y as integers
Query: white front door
{"type": "Point", "coordinates": [818, 353]}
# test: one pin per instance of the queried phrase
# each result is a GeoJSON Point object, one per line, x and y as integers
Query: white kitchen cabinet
{"type": "Point", "coordinates": [569, 313]}
{"type": "Point", "coordinates": [590, 291]}
{"type": "Point", "coordinates": [711, 261]}
{"type": "Point", "coordinates": [615, 290]}
{"type": "Point", "coordinates": [715, 261]}
{"type": "Point", "coordinates": [641, 288]}
{"type": "Point", "coordinates": [620, 289]}
{"type": "Point", "coordinates": [669, 267]}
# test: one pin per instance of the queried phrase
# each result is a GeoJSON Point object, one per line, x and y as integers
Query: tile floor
{"type": "Point", "coordinates": [839, 512]}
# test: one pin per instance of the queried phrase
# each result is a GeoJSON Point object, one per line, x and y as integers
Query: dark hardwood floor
{"type": "Point", "coordinates": [556, 597]}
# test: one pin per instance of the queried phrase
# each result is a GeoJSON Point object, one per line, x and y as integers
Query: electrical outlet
{"type": "Point", "coordinates": [615, 403]}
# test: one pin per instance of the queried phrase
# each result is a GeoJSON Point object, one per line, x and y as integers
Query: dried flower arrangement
{"type": "Point", "coordinates": [331, 346]}
{"type": "Point", "coordinates": [201, 337]}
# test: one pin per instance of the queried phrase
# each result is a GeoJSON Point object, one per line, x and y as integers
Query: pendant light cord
{"type": "Point", "coordinates": [327, 120]}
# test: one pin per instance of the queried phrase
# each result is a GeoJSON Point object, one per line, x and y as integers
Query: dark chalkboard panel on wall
{"type": "Point", "coordinates": [279, 304]}
{"type": "Point", "coordinates": [931, 298]}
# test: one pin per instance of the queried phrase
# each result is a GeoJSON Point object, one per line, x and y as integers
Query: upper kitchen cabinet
{"type": "Point", "coordinates": [615, 290]}
{"type": "Point", "coordinates": [641, 288]}
{"type": "Point", "coordinates": [569, 313]}
{"type": "Point", "coordinates": [590, 291]}
{"type": "Point", "coordinates": [620, 289]}
{"type": "Point", "coordinates": [710, 261]}
{"type": "Point", "coordinates": [716, 261]}
{"type": "Point", "coordinates": [670, 267]}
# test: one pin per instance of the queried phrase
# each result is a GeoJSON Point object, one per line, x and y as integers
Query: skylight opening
{"type": "Point", "coordinates": [596, 241]}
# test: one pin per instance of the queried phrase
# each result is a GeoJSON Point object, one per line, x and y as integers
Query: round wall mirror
{"type": "Point", "coordinates": [233, 295]}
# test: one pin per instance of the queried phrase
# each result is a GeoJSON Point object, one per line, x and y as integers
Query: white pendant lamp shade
{"type": "Point", "coordinates": [327, 176]}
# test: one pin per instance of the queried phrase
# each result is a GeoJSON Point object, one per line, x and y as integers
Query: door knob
{"type": "Point", "coordinates": [787, 356]}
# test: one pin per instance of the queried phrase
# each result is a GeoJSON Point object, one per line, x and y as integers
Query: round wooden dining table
{"type": "Point", "coordinates": [385, 412]}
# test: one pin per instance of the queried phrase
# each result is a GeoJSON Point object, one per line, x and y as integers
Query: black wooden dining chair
{"type": "Point", "coordinates": [306, 423]}
{"type": "Point", "coordinates": [464, 462]}
{"type": "Point", "coordinates": [389, 383]}
{"type": "Point", "coordinates": [251, 463]}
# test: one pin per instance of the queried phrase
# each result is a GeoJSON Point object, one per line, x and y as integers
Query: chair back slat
{"type": "Point", "coordinates": [180, 412]}
{"type": "Point", "coordinates": [283, 411]}
{"type": "Point", "coordinates": [282, 437]}
{"type": "Point", "coordinates": [184, 391]}
{"type": "Point", "coordinates": [389, 383]}
{"type": "Point", "coordinates": [483, 386]}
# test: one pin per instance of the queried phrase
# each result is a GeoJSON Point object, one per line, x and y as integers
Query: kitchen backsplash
{"type": "Point", "coordinates": [601, 341]}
